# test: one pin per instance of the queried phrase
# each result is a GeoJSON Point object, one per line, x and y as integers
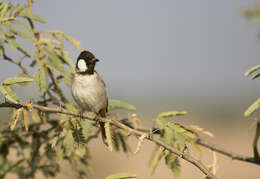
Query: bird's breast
{"type": "Point", "coordinates": [89, 92]}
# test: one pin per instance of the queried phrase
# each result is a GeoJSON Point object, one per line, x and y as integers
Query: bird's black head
{"type": "Point", "coordinates": [86, 62]}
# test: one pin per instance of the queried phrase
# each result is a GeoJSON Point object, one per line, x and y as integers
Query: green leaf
{"type": "Point", "coordinates": [26, 13]}
{"type": "Point", "coordinates": [173, 163]}
{"type": "Point", "coordinates": [252, 108]}
{"type": "Point", "coordinates": [16, 31]}
{"type": "Point", "coordinates": [176, 127]}
{"type": "Point", "coordinates": [170, 158]}
{"type": "Point", "coordinates": [68, 143]}
{"type": "Point", "coordinates": [64, 56]}
{"type": "Point", "coordinates": [12, 115]}
{"type": "Point", "coordinates": [41, 80]}
{"type": "Point", "coordinates": [189, 135]}
{"type": "Point", "coordinates": [171, 113]}
{"type": "Point", "coordinates": [157, 160]}
{"type": "Point", "coordinates": [86, 127]}
{"type": "Point", "coordinates": [123, 142]}
{"type": "Point", "coordinates": [23, 50]}
{"type": "Point", "coordinates": [161, 122]}
{"type": "Point", "coordinates": [18, 9]}
{"type": "Point", "coordinates": [8, 93]}
{"type": "Point", "coordinates": [59, 155]}
{"type": "Point", "coordinates": [6, 19]}
{"type": "Point", "coordinates": [26, 119]}
{"type": "Point", "coordinates": [251, 14]}
{"type": "Point", "coordinates": [116, 141]}
{"type": "Point", "coordinates": [4, 8]}
{"type": "Point", "coordinates": [256, 76]}
{"type": "Point", "coordinates": [78, 134]}
{"type": "Point", "coordinates": [56, 64]}
{"type": "Point", "coordinates": [109, 136]}
{"type": "Point", "coordinates": [81, 151]}
{"type": "Point", "coordinates": [121, 176]}
{"type": "Point", "coordinates": [35, 116]}
{"type": "Point", "coordinates": [72, 41]}
{"type": "Point", "coordinates": [168, 135]}
{"type": "Point", "coordinates": [71, 107]}
{"type": "Point", "coordinates": [181, 140]}
{"type": "Point", "coordinates": [17, 116]}
{"type": "Point", "coordinates": [155, 150]}
{"type": "Point", "coordinates": [24, 26]}
{"type": "Point", "coordinates": [37, 58]}
{"type": "Point", "coordinates": [11, 92]}
{"type": "Point", "coordinates": [252, 70]}
{"type": "Point", "coordinates": [2, 50]}
{"type": "Point", "coordinates": [196, 147]}
{"type": "Point", "coordinates": [51, 54]}
{"type": "Point", "coordinates": [12, 43]}
{"type": "Point", "coordinates": [180, 129]}
{"type": "Point", "coordinates": [10, 81]}
{"type": "Point", "coordinates": [116, 104]}
{"type": "Point", "coordinates": [2, 34]}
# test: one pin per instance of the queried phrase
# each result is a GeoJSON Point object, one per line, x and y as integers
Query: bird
{"type": "Point", "coordinates": [89, 89]}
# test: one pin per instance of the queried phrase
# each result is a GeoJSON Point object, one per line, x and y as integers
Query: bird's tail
{"type": "Point", "coordinates": [102, 126]}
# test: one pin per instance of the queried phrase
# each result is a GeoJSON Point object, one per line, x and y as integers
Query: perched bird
{"type": "Point", "coordinates": [88, 88]}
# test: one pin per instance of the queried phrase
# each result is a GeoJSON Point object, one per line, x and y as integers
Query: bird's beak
{"type": "Point", "coordinates": [96, 60]}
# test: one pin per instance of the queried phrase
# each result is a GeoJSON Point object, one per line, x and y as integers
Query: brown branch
{"type": "Point", "coordinates": [11, 168]}
{"type": "Point", "coordinates": [30, 3]}
{"type": "Point", "coordinates": [57, 87]}
{"type": "Point", "coordinates": [118, 124]}
{"type": "Point", "coordinates": [220, 150]}
{"type": "Point", "coordinates": [93, 136]}
{"type": "Point", "coordinates": [38, 46]}
{"type": "Point", "coordinates": [10, 105]}
{"type": "Point", "coordinates": [18, 63]}
{"type": "Point", "coordinates": [223, 151]}
{"type": "Point", "coordinates": [55, 100]}
{"type": "Point", "coordinates": [257, 134]}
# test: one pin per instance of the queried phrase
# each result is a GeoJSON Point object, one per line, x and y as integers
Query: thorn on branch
{"type": "Point", "coordinates": [18, 63]}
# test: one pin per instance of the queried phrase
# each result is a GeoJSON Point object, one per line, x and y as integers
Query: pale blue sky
{"type": "Point", "coordinates": [169, 54]}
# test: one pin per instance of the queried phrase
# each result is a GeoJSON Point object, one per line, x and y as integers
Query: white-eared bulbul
{"type": "Point", "coordinates": [88, 88]}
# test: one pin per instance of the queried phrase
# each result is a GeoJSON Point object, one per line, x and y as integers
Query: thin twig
{"type": "Point", "coordinates": [57, 87]}
{"type": "Point", "coordinates": [30, 3]}
{"type": "Point", "coordinates": [218, 149]}
{"type": "Point", "coordinates": [10, 105]}
{"type": "Point", "coordinates": [116, 123]}
{"type": "Point", "coordinates": [93, 136]}
{"type": "Point", "coordinates": [257, 133]}
{"type": "Point", "coordinates": [19, 64]}
{"type": "Point", "coordinates": [12, 167]}
{"type": "Point", "coordinates": [38, 46]}
{"type": "Point", "coordinates": [223, 151]}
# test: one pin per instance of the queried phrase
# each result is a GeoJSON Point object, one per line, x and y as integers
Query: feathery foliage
{"type": "Point", "coordinates": [43, 140]}
{"type": "Point", "coordinates": [60, 136]}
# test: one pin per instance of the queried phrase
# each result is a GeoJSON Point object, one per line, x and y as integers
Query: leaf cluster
{"type": "Point", "coordinates": [253, 107]}
{"type": "Point", "coordinates": [175, 135]}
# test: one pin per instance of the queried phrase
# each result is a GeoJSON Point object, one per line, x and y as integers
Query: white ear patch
{"type": "Point", "coordinates": [82, 65]}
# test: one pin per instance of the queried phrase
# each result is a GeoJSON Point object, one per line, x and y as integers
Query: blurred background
{"type": "Point", "coordinates": [166, 55]}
